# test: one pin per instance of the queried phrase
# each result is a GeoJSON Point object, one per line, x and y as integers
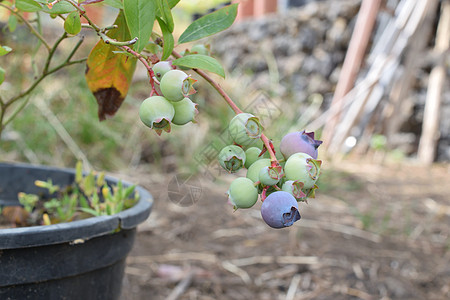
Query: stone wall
{"type": "Point", "coordinates": [308, 45]}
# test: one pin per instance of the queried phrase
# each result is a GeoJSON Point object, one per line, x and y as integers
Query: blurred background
{"type": "Point", "coordinates": [370, 77]}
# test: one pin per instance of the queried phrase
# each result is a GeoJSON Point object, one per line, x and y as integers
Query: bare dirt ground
{"type": "Point", "coordinates": [374, 231]}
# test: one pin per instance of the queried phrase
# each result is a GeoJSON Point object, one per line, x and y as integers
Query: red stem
{"type": "Point", "coordinates": [234, 107]}
{"type": "Point", "coordinates": [147, 66]}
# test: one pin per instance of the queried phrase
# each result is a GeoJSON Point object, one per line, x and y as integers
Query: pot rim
{"type": "Point", "coordinates": [76, 231]}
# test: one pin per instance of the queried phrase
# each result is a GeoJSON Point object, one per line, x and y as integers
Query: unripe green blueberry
{"type": "Point", "coordinates": [200, 49]}
{"type": "Point", "coordinates": [157, 112]}
{"type": "Point", "coordinates": [295, 189]}
{"type": "Point", "coordinates": [245, 129]}
{"type": "Point", "coordinates": [232, 158]}
{"type": "Point", "coordinates": [252, 155]}
{"type": "Point", "coordinates": [302, 167]}
{"type": "Point", "coordinates": [185, 111]}
{"type": "Point", "coordinates": [242, 193]}
{"type": "Point", "coordinates": [176, 85]}
{"type": "Point", "coordinates": [270, 175]}
{"type": "Point", "coordinates": [255, 168]}
{"type": "Point", "coordinates": [161, 68]}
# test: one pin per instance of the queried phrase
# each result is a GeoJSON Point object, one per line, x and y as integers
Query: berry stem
{"type": "Point", "coordinates": [233, 106]}
{"type": "Point", "coordinates": [144, 61]}
{"type": "Point", "coordinates": [216, 86]}
{"type": "Point", "coordinates": [269, 147]}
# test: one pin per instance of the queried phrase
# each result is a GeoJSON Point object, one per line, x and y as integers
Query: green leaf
{"type": "Point", "coordinates": [4, 50]}
{"type": "Point", "coordinates": [2, 75]}
{"type": "Point", "coordinates": [90, 211]}
{"type": "Point", "coordinates": [153, 48]}
{"type": "Point", "coordinates": [198, 61]}
{"type": "Point", "coordinates": [114, 3]}
{"type": "Point", "coordinates": [172, 3]}
{"type": "Point", "coordinates": [28, 5]}
{"type": "Point", "coordinates": [167, 38]}
{"type": "Point", "coordinates": [12, 23]}
{"type": "Point", "coordinates": [72, 24]}
{"type": "Point", "coordinates": [210, 24]}
{"type": "Point", "coordinates": [140, 16]}
{"type": "Point", "coordinates": [78, 172]}
{"type": "Point", "coordinates": [89, 184]}
{"type": "Point", "coordinates": [165, 14]}
{"type": "Point", "coordinates": [62, 7]}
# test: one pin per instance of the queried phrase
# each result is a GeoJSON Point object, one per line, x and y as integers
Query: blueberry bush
{"type": "Point", "coordinates": [143, 32]}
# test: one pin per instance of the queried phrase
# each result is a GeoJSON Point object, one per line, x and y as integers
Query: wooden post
{"type": "Point", "coordinates": [264, 7]}
{"type": "Point", "coordinates": [352, 62]}
{"type": "Point", "coordinates": [245, 9]}
{"type": "Point", "coordinates": [430, 127]}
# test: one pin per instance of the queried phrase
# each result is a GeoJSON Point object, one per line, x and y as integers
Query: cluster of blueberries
{"type": "Point", "coordinates": [172, 104]}
{"type": "Point", "coordinates": [280, 185]}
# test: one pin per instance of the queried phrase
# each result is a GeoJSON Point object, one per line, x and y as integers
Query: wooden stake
{"type": "Point", "coordinates": [430, 127]}
{"type": "Point", "coordinates": [352, 62]}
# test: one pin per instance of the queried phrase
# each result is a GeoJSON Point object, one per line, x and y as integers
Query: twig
{"type": "Point", "coordinates": [205, 257]}
{"type": "Point", "coordinates": [62, 132]}
{"type": "Point", "coordinates": [227, 265]}
{"type": "Point", "coordinates": [32, 29]}
{"type": "Point", "coordinates": [181, 287]}
{"type": "Point", "coordinates": [375, 238]}
{"type": "Point", "coordinates": [290, 295]}
{"type": "Point", "coordinates": [298, 260]}
{"type": "Point", "coordinates": [52, 52]}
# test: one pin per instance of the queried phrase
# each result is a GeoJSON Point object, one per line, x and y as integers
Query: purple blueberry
{"type": "Point", "coordinates": [300, 141]}
{"type": "Point", "coordinates": [280, 209]}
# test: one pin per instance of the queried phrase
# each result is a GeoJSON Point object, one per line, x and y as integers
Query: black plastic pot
{"type": "Point", "coordinates": [83, 259]}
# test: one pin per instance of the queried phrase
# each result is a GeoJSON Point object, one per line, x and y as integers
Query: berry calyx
{"type": "Point", "coordinates": [185, 111]}
{"type": "Point", "coordinates": [295, 189]}
{"type": "Point", "coordinates": [245, 129]}
{"type": "Point", "coordinates": [300, 141]}
{"type": "Point", "coordinates": [280, 209]}
{"type": "Point", "coordinates": [232, 158]}
{"type": "Point", "coordinates": [242, 193]}
{"type": "Point", "coordinates": [270, 175]}
{"type": "Point", "coordinates": [175, 85]}
{"type": "Point", "coordinates": [157, 113]}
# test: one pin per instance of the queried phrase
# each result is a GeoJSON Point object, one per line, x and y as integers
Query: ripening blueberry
{"type": "Point", "coordinates": [185, 111]}
{"type": "Point", "coordinates": [255, 168]}
{"type": "Point", "coordinates": [300, 141]}
{"type": "Point", "coordinates": [242, 193]}
{"type": "Point", "coordinates": [302, 167]}
{"type": "Point", "coordinates": [232, 158]}
{"type": "Point", "coordinates": [200, 49]}
{"type": "Point", "coordinates": [280, 209]}
{"type": "Point", "coordinates": [176, 85]}
{"type": "Point", "coordinates": [157, 112]}
{"type": "Point", "coordinates": [245, 129]}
